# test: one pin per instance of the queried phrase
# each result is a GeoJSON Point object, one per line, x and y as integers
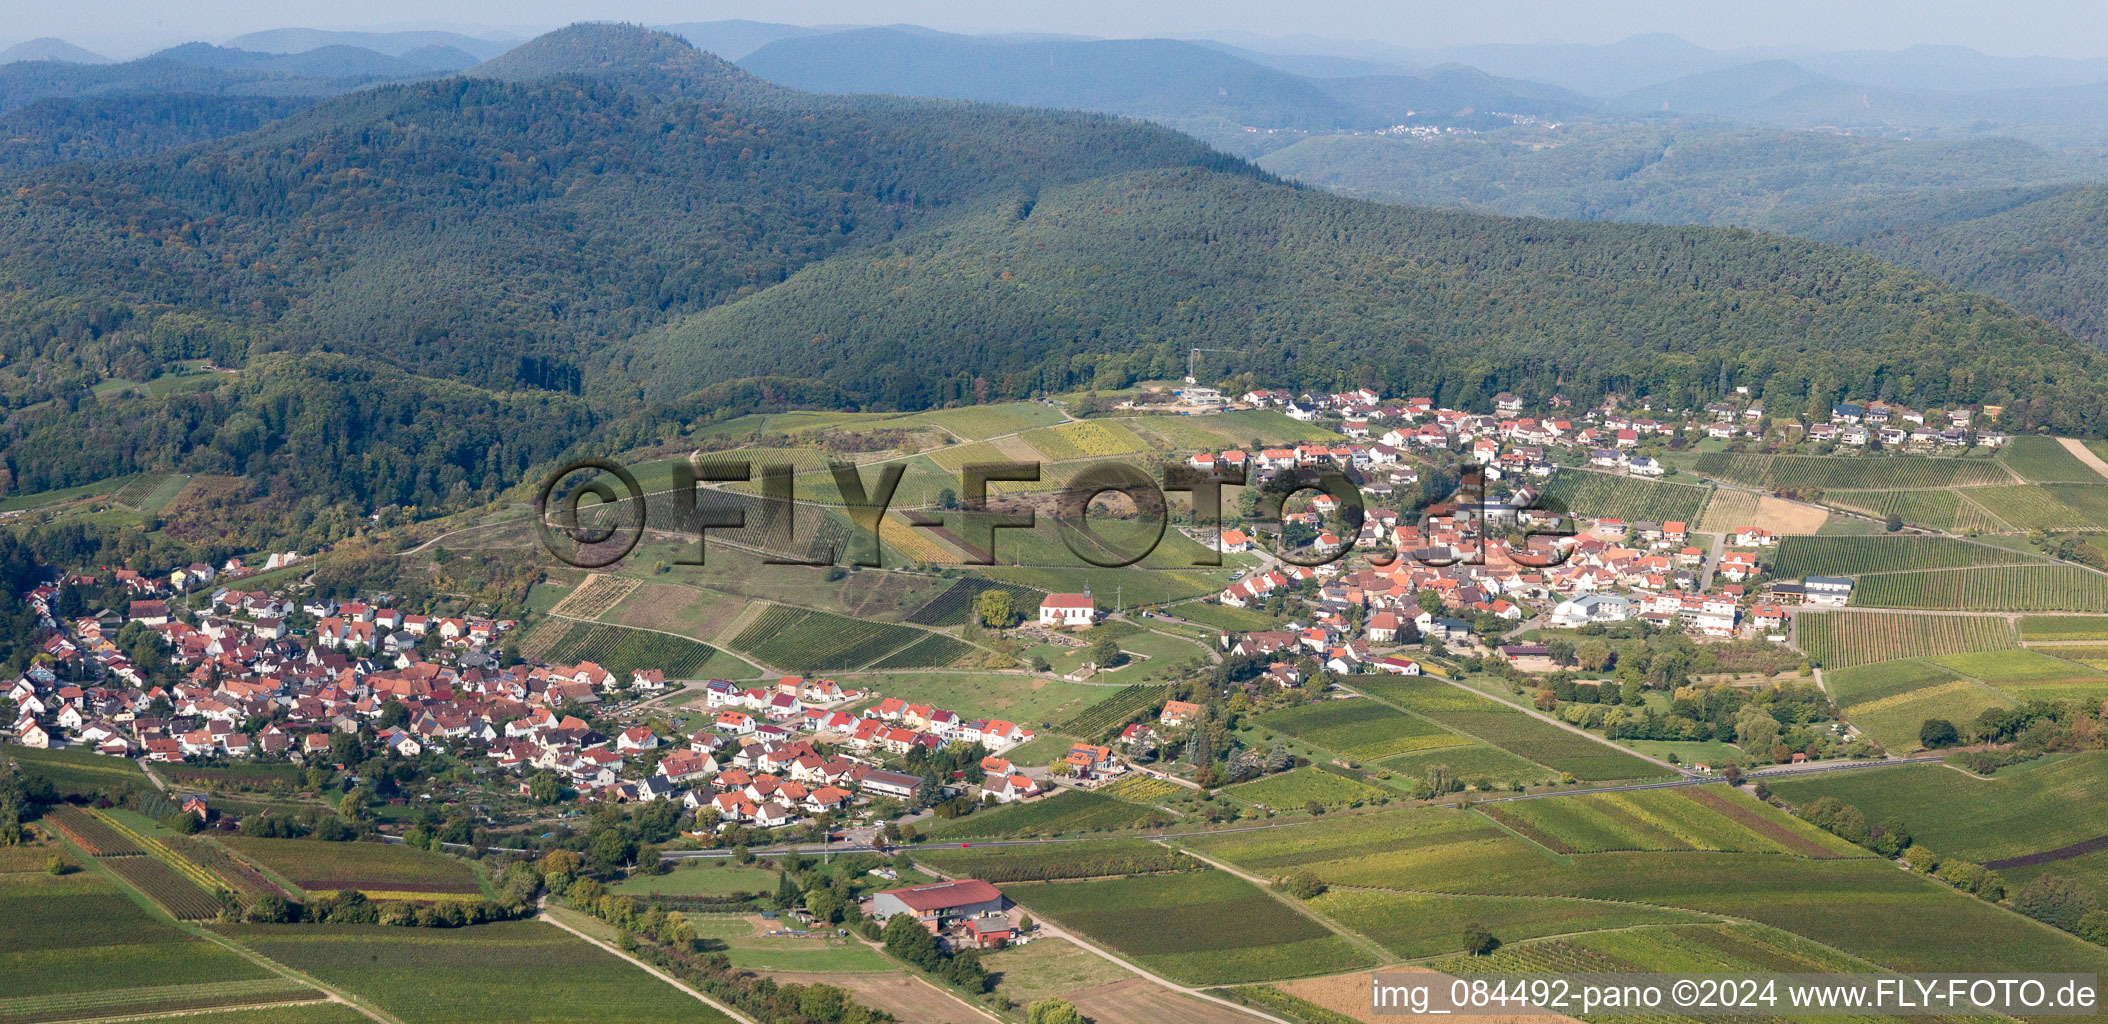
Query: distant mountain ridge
{"type": "Point", "coordinates": [1209, 91]}
{"type": "Point", "coordinates": [439, 286]}
{"type": "Point", "coordinates": [394, 44]}
{"type": "Point", "coordinates": [53, 49]}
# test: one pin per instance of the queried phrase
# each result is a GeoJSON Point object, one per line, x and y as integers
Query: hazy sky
{"type": "Point", "coordinates": [2065, 28]}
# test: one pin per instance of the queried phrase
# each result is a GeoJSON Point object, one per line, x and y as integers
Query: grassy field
{"type": "Point", "coordinates": [1361, 729]}
{"type": "Point", "coordinates": [1837, 639]}
{"type": "Point", "coordinates": [1067, 811]}
{"type": "Point", "coordinates": [2008, 588]}
{"type": "Point", "coordinates": [1049, 967]}
{"type": "Point", "coordinates": [1851, 556]}
{"type": "Point", "coordinates": [1889, 701]}
{"type": "Point", "coordinates": [78, 946]}
{"type": "Point", "coordinates": [519, 970]}
{"type": "Point", "coordinates": [318, 866]}
{"type": "Point", "coordinates": [1585, 493]}
{"type": "Point", "coordinates": [1029, 700]}
{"type": "Point", "coordinates": [1296, 789]}
{"type": "Point", "coordinates": [1413, 925]}
{"type": "Point", "coordinates": [1507, 727]}
{"type": "Point", "coordinates": [1174, 925]}
{"type": "Point", "coordinates": [983, 421]}
{"type": "Point", "coordinates": [749, 944]}
{"type": "Point", "coordinates": [702, 878]}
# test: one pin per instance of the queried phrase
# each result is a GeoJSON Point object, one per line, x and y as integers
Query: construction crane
{"type": "Point", "coordinates": [1193, 357]}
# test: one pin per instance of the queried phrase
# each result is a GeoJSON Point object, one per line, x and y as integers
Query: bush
{"type": "Point", "coordinates": [1303, 885]}
{"type": "Point", "coordinates": [2055, 900]}
{"type": "Point", "coordinates": [1921, 860]}
{"type": "Point", "coordinates": [1937, 733]}
{"type": "Point", "coordinates": [2094, 927]}
{"type": "Point", "coordinates": [1478, 941]}
{"type": "Point", "coordinates": [58, 865]}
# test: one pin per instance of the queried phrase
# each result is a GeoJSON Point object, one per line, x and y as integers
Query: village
{"type": "Point", "coordinates": [273, 674]}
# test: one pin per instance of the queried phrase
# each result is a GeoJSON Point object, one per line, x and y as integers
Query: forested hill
{"type": "Point", "coordinates": [2043, 250]}
{"type": "Point", "coordinates": [437, 287]}
{"type": "Point", "coordinates": [500, 232]}
{"type": "Point", "coordinates": [1112, 280]}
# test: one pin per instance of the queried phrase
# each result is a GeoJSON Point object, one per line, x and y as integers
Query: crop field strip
{"type": "Point", "coordinates": [1145, 789]}
{"type": "Point", "coordinates": [1508, 727]}
{"type": "Point", "coordinates": [2035, 628]}
{"type": "Point", "coordinates": [195, 872]}
{"type": "Point", "coordinates": [1689, 818]}
{"type": "Point", "coordinates": [1889, 701]}
{"type": "Point", "coordinates": [93, 835]}
{"type": "Point", "coordinates": [1939, 509]}
{"type": "Point", "coordinates": [618, 649]}
{"type": "Point", "coordinates": [1106, 858]}
{"type": "Point", "coordinates": [170, 999]}
{"type": "Point", "coordinates": [1174, 924]}
{"type": "Point", "coordinates": [1363, 729]}
{"type": "Point", "coordinates": [2014, 814]}
{"type": "Point", "coordinates": [2045, 460]}
{"type": "Point", "coordinates": [934, 650]}
{"type": "Point", "coordinates": [1841, 639]}
{"type": "Point", "coordinates": [171, 889]}
{"type": "Point", "coordinates": [1301, 787]}
{"type": "Point", "coordinates": [369, 867]}
{"type": "Point", "coordinates": [955, 604]}
{"type": "Point", "coordinates": [1584, 492]}
{"type": "Point", "coordinates": [508, 971]}
{"type": "Point", "coordinates": [1111, 714]}
{"type": "Point", "coordinates": [1685, 948]}
{"type": "Point", "coordinates": [2045, 506]}
{"type": "Point", "coordinates": [1726, 509]}
{"type": "Point", "coordinates": [1068, 811]}
{"type": "Point", "coordinates": [597, 596]}
{"type": "Point", "coordinates": [78, 946]}
{"type": "Point", "coordinates": [801, 640]}
{"type": "Point", "coordinates": [1414, 925]}
{"type": "Point", "coordinates": [1854, 556]}
{"type": "Point", "coordinates": [1865, 473]}
{"type": "Point", "coordinates": [1431, 850]}
{"type": "Point", "coordinates": [2006, 588]}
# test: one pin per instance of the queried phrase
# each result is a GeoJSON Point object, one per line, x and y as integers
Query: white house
{"type": "Point", "coordinates": [1068, 610]}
